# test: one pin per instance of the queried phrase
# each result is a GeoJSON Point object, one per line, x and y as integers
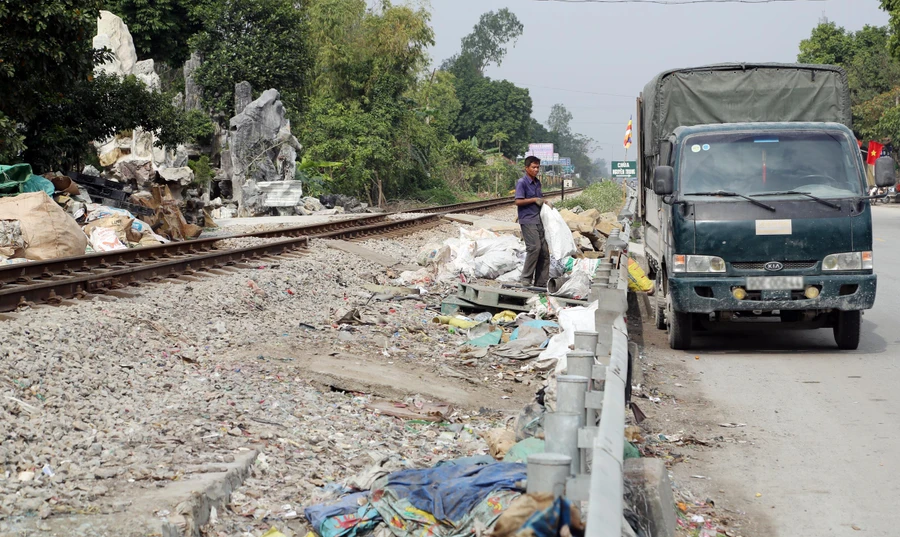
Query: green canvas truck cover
{"type": "Point", "coordinates": [737, 93]}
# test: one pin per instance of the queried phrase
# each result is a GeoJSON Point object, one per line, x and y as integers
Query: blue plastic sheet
{"type": "Point", "coordinates": [318, 515]}
{"type": "Point", "coordinates": [450, 492]}
{"type": "Point", "coordinates": [487, 340]}
{"type": "Point", "coordinates": [536, 323]}
{"type": "Point", "coordinates": [479, 460]}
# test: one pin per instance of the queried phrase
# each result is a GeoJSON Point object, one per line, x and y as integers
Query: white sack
{"type": "Point", "coordinates": [559, 237]}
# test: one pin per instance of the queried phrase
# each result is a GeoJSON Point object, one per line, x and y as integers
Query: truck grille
{"type": "Point", "coordinates": [761, 265]}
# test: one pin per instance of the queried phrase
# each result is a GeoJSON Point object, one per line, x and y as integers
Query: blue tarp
{"type": "Point", "coordinates": [451, 492]}
{"type": "Point", "coordinates": [534, 323]}
{"type": "Point", "coordinates": [317, 514]}
{"type": "Point", "coordinates": [478, 460]}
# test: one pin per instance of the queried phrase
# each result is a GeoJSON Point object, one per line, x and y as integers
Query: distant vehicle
{"type": "Point", "coordinates": [753, 199]}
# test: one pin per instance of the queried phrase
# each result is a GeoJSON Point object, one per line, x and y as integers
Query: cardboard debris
{"type": "Point", "coordinates": [436, 412]}
{"type": "Point", "coordinates": [168, 220]}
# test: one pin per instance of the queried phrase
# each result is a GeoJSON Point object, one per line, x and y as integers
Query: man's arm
{"type": "Point", "coordinates": [526, 201]}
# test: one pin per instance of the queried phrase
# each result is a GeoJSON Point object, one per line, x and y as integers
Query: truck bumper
{"type": "Point", "coordinates": [712, 294]}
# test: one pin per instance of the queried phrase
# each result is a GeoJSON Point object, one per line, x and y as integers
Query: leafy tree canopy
{"type": "Point", "coordinates": [52, 105]}
{"type": "Point", "coordinates": [489, 38]}
{"type": "Point", "coordinates": [492, 106]}
{"type": "Point", "coordinates": [261, 41]}
{"type": "Point", "coordinates": [161, 29]}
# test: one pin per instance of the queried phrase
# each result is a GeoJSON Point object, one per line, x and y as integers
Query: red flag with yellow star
{"type": "Point", "coordinates": [875, 150]}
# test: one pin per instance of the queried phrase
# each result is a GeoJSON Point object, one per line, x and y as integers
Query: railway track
{"type": "Point", "coordinates": [55, 281]}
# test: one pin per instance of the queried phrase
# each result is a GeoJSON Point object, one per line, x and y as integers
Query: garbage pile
{"type": "Point", "coordinates": [483, 254]}
{"type": "Point", "coordinates": [55, 215]}
{"type": "Point", "coordinates": [465, 496]}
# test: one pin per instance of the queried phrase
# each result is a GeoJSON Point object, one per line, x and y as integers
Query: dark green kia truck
{"type": "Point", "coordinates": [753, 200]}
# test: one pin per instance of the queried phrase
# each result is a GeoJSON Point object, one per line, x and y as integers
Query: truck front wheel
{"type": "Point", "coordinates": [659, 298]}
{"type": "Point", "coordinates": [680, 327]}
{"type": "Point", "coordinates": [847, 330]}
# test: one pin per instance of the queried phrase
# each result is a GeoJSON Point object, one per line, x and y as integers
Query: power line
{"type": "Point", "coordinates": [681, 2]}
{"type": "Point", "coordinates": [571, 90]}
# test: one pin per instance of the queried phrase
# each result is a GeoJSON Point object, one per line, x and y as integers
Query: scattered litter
{"type": "Point", "coordinates": [427, 412]}
{"type": "Point", "coordinates": [732, 425]}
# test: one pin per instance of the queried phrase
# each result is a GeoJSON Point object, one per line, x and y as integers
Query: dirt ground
{"type": "Point", "coordinates": [689, 434]}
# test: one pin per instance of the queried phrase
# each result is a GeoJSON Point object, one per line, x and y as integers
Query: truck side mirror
{"type": "Point", "coordinates": [663, 180]}
{"type": "Point", "coordinates": [884, 172]}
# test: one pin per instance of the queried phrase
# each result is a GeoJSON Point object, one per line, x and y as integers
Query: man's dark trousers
{"type": "Point", "coordinates": [537, 258]}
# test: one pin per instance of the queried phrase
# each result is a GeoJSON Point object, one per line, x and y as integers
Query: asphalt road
{"type": "Point", "coordinates": [826, 453]}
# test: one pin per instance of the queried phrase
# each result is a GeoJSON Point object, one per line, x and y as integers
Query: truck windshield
{"type": "Point", "coordinates": [823, 164]}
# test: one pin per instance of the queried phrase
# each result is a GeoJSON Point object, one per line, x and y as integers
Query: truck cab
{"type": "Point", "coordinates": [765, 221]}
{"type": "Point", "coordinates": [754, 200]}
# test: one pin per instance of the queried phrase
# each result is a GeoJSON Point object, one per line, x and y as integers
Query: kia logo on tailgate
{"type": "Point", "coordinates": [774, 266]}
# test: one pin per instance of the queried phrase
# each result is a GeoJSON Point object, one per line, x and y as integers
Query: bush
{"type": "Point", "coordinates": [606, 197]}
{"type": "Point", "coordinates": [203, 172]}
{"type": "Point", "coordinates": [199, 128]}
{"type": "Point", "coordinates": [437, 196]}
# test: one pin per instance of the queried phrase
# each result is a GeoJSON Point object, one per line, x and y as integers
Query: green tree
{"type": "Point", "coordinates": [559, 120]}
{"type": "Point", "coordinates": [261, 41]}
{"type": "Point", "coordinates": [872, 71]}
{"type": "Point", "coordinates": [829, 44]}
{"type": "Point", "coordinates": [45, 45]}
{"type": "Point", "coordinates": [893, 9]}
{"type": "Point", "coordinates": [436, 97]}
{"type": "Point", "coordinates": [367, 108]}
{"type": "Point", "coordinates": [491, 106]}
{"type": "Point", "coordinates": [59, 136]}
{"type": "Point", "coordinates": [489, 38]}
{"type": "Point", "coordinates": [161, 28]}
{"type": "Point", "coordinates": [52, 105]}
{"type": "Point", "coordinates": [601, 166]}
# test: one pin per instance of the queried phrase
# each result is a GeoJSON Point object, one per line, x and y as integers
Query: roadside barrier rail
{"type": "Point", "coordinates": [584, 435]}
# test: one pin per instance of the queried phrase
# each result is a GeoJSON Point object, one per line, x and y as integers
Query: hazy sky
{"type": "Point", "coordinates": [618, 48]}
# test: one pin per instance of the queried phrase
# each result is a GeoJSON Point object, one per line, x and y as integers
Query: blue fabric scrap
{"type": "Point", "coordinates": [317, 514]}
{"type": "Point", "coordinates": [450, 492]}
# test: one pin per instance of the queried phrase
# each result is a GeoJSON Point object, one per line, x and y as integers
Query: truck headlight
{"type": "Point", "coordinates": [698, 263]}
{"type": "Point", "coordinates": [849, 261]}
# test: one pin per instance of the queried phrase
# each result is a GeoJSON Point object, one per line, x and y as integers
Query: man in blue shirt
{"type": "Point", "coordinates": [529, 200]}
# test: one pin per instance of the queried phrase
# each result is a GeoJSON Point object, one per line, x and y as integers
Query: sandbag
{"type": "Point", "coordinates": [637, 279]}
{"type": "Point", "coordinates": [49, 232]}
{"type": "Point", "coordinates": [559, 237]}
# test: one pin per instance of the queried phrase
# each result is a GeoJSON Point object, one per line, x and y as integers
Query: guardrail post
{"type": "Point", "coordinates": [561, 436]}
{"type": "Point", "coordinates": [571, 390]}
{"type": "Point", "coordinates": [586, 341]}
{"type": "Point", "coordinates": [548, 473]}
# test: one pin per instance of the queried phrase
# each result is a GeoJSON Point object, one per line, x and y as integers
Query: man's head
{"type": "Point", "coordinates": [532, 166]}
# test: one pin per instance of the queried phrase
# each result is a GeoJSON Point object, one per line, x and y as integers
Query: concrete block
{"type": "Point", "coordinates": [649, 480]}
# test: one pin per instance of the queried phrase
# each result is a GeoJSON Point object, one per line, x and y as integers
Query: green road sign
{"type": "Point", "coordinates": [625, 169]}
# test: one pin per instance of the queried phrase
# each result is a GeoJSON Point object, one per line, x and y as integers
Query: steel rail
{"type": "Point", "coordinates": [55, 280]}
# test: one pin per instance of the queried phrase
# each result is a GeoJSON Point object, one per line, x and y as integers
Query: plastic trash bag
{"type": "Point", "coordinates": [578, 286]}
{"type": "Point", "coordinates": [637, 279]}
{"type": "Point", "coordinates": [559, 237]}
{"type": "Point", "coordinates": [494, 263]}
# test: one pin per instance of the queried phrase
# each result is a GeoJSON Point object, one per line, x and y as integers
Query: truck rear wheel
{"type": "Point", "coordinates": [847, 330]}
{"type": "Point", "coordinates": [659, 310]}
{"type": "Point", "coordinates": [680, 327]}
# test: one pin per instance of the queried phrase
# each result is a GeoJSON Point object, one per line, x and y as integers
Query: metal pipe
{"type": "Point", "coordinates": [554, 284]}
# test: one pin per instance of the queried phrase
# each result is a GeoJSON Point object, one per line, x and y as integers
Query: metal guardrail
{"type": "Point", "coordinates": [584, 458]}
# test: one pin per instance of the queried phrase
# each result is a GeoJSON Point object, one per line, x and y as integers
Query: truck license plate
{"type": "Point", "coordinates": [775, 283]}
